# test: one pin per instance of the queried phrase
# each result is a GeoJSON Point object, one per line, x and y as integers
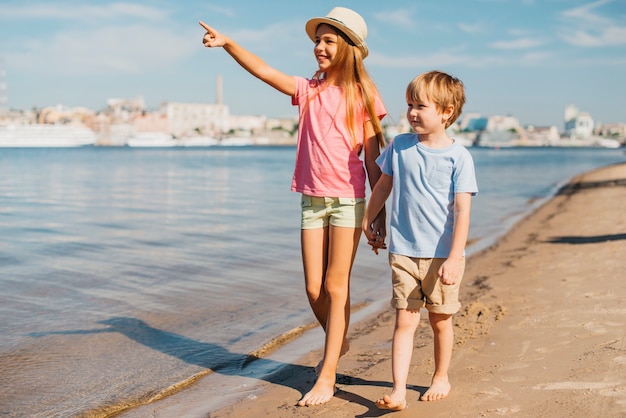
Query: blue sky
{"type": "Point", "coordinates": [525, 58]}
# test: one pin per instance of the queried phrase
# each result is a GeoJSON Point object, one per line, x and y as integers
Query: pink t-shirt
{"type": "Point", "coordinates": [327, 162]}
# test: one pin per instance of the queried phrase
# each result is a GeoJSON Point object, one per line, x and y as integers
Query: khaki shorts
{"type": "Point", "coordinates": [416, 284]}
{"type": "Point", "coordinates": [319, 212]}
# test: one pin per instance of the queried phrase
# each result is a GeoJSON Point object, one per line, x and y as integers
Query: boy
{"type": "Point", "coordinates": [433, 179]}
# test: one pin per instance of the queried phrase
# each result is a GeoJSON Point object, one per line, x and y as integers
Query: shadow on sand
{"type": "Point", "coordinates": [586, 240]}
{"type": "Point", "coordinates": [219, 360]}
{"type": "Point", "coordinates": [572, 188]}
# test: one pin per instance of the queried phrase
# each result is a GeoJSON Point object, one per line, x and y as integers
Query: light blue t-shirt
{"type": "Point", "coordinates": [422, 201]}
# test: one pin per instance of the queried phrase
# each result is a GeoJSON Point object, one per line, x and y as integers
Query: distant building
{"type": "Point", "coordinates": [151, 122]}
{"type": "Point", "coordinates": [284, 124]}
{"type": "Point", "coordinates": [617, 130]}
{"type": "Point", "coordinates": [473, 122]}
{"type": "Point", "coordinates": [246, 123]}
{"type": "Point", "coordinates": [63, 115]}
{"type": "Point", "coordinates": [541, 135]}
{"type": "Point", "coordinates": [17, 117]}
{"type": "Point", "coordinates": [392, 128]}
{"type": "Point", "coordinates": [503, 123]}
{"type": "Point", "coordinates": [124, 110]}
{"type": "Point", "coordinates": [193, 119]}
{"type": "Point", "coordinates": [577, 124]}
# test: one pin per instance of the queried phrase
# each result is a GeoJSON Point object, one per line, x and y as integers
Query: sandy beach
{"type": "Point", "coordinates": [542, 331]}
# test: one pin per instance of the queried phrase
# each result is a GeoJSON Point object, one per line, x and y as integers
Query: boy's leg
{"type": "Point", "coordinates": [342, 245]}
{"type": "Point", "coordinates": [401, 353]}
{"type": "Point", "coordinates": [443, 333]}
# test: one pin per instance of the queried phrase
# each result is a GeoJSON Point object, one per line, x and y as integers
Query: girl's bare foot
{"type": "Point", "coordinates": [438, 390]}
{"type": "Point", "coordinates": [393, 405]}
{"type": "Point", "coordinates": [321, 393]}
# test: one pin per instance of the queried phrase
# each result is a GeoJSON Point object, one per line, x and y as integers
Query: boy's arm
{"type": "Point", "coordinates": [381, 192]}
{"type": "Point", "coordinates": [250, 62]}
{"type": "Point", "coordinates": [450, 269]}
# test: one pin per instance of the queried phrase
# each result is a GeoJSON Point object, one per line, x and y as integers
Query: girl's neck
{"type": "Point", "coordinates": [329, 79]}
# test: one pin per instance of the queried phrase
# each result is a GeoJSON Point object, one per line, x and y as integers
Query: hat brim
{"type": "Point", "coordinates": [311, 30]}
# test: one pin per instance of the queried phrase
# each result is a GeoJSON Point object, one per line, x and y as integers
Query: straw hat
{"type": "Point", "coordinates": [346, 20]}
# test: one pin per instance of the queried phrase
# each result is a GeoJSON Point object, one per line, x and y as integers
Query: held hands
{"type": "Point", "coordinates": [375, 232]}
{"type": "Point", "coordinates": [212, 38]}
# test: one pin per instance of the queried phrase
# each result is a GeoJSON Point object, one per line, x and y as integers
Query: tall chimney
{"type": "Point", "coordinates": [4, 101]}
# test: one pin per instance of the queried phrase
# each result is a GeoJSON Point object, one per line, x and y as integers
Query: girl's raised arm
{"type": "Point", "coordinates": [250, 62]}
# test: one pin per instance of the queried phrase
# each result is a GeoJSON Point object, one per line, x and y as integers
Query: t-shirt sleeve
{"type": "Point", "coordinates": [379, 107]}
{"type": "Point", "coordinates": [301, 89]}
{"type": "Point", "coordinates": [465, 175]}
{"type": "Point", "coordinates": [385, 160]}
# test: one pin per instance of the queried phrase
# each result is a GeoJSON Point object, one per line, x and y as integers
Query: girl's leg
{"type": "Point", "coordinates": [401, 353]}
{"type": "Point", "coordinates": [314, 245]}
{"type": "Point", "coordinates": [342, 245]}
{"type": "Point", "coordinates": [443, 333]}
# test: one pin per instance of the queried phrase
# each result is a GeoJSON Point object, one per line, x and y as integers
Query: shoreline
{"type": "Point", "coordinates": [507, 292]}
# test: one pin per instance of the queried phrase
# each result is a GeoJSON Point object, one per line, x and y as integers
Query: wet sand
{"type": "Point", "coordinates": [542, 331]}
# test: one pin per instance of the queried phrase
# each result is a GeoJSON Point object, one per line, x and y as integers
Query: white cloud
{"type": "Point", "coordinates": [219, 10]}
{"type": "Point", "coordinates": [520, 33]}
{"type": "Point", "coordinates": [535, 58]}
{"type": "Point", "coordinates": [445, 59]}
{"type": "Point", "coordinates": [117, 50]}
{"type": "Point", "coordinates": [273, 37]}
{"type": "Point", "coordinates": [80, 12]}
{"type": "Point", "coordinates": [587, 28]}
{"type": "Point", "coordinates": [522, 43]}
{"type": "Point", "coordinates": [434, 60]}
{"type": "Point", "coordinates": [602, 38]}
{"type": "Point", "coordinates": [468, 28]}
{"type": "Point", "coordinates": [400, 17]}
{"type": "Point", "coordinates": [585, 13]}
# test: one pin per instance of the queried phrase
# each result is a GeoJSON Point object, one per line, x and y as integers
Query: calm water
{"type": "Point", "coordinates": [126, 271]}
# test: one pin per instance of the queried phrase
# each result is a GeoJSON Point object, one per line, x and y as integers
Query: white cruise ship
{"type": "Point", "coordinates": [45, 136]}
{"type": "Point", "coordinates": [152, 139]}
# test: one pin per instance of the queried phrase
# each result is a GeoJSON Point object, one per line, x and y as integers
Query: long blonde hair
{"type": "Point", "coordinates": [349, 73]}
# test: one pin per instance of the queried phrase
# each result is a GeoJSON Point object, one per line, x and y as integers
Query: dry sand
{"type": "Point", "coordinates": [542, 332]}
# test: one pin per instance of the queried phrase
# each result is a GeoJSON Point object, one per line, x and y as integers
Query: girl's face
{"type": "Point", "coordinates": [424, 117]}
{"type": "Point", "coordinates": [325, 46]}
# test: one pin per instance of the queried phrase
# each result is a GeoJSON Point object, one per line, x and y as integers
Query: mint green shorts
{"type": "Point", "coordinates": [319, 212]}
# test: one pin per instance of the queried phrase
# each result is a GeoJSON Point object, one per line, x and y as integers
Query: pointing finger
{"type": "Point", "coordinates": [205, 26]}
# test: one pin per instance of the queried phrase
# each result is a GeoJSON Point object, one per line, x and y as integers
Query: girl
{"type": "Point", "coordinates": [339, 115]}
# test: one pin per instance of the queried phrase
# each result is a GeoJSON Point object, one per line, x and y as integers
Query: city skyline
{"type": "Point", "coordinates": [528, 59]}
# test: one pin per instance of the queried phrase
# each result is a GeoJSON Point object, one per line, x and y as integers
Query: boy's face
{"type": "Point", "coordinates": [424, 117]}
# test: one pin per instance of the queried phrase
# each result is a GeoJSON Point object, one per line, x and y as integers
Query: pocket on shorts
{"type": "Point", "coordinates": [305, 202]}
{"type": "Point", "coordinates": [347, 201]}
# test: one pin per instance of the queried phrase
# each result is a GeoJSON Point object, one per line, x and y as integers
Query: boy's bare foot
{"type": "Point", "coordinates": [321, 393]}
{"type": "Point", "coordinates": [387, 403]}
{"type": "Point", "coordinates": [344, 349]}
{"type": "Point", "coordinates": [438, 390]}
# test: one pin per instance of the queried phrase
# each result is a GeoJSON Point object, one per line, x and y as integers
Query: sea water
{"type": "Point", "coordinates": [125, 272]}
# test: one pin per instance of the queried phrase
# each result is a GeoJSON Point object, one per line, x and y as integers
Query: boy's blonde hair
{"type": "Point", "coordinates": [440, 88]}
